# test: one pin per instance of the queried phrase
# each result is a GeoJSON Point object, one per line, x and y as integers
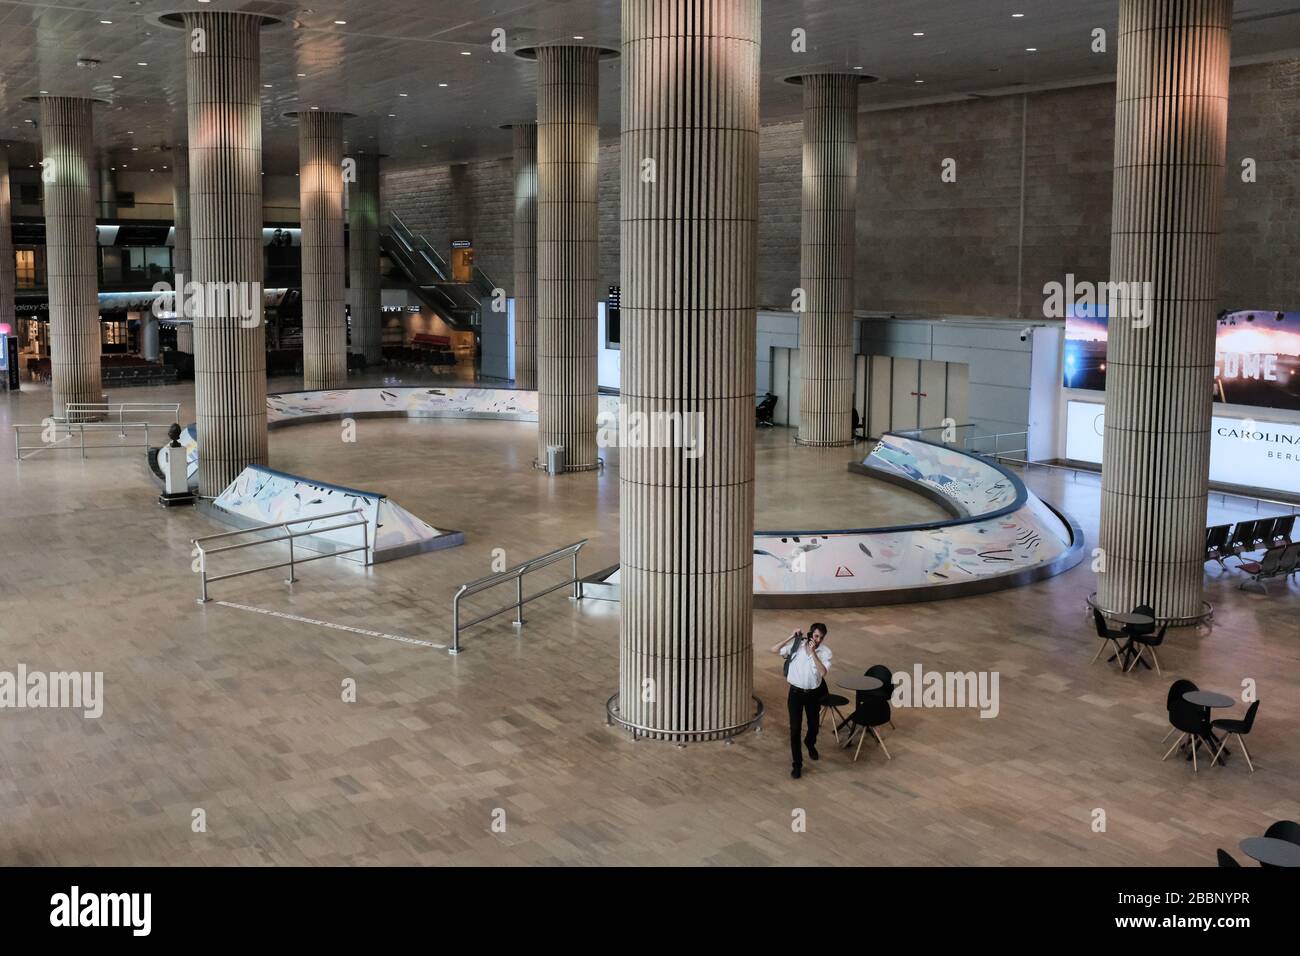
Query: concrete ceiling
{"type": "Point", "coordinates": [387, 48]}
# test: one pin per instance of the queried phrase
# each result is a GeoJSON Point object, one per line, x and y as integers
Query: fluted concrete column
{"type": "Point", "coordinates": [525, 255]}
{"type": "Point", "coordinates": [689, 247]}
{"type": "Point", "coordinates": [363, 259]}
{"type": "Point", "coordinates": [180, 157]}
{"type": "Point", "coordinates": [1171, 111]}
{"type": "Point", "coordinates": [568, 144]}
{"type": "Point", "coordinates": [7, 315]}
{"type": "Point", "coordinates": [320, 189]}
{"type": "Point", "coordinates": [68, 172]}
{"type": "Point", "coordinates": [829, 234]}
{"type": "Point", "coordinates": [225, 138]}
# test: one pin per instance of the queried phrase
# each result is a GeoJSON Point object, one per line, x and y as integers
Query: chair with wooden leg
{"type": "Point", "coordinates": [833, 703]}
{"type": "Point", "coordinates": [872, 712]}
{"type": "Point", "coordinates": [886, 678]}
{"type": "Point", "coordinates": [1148, 643]}
{"type": "Point", "coordinates": [1194, 722]}
{"type": "Point", "coordinates": [1107, 636]}
{"type": "Point", "coordinates": [1237, 728]}
{"type": "Point", "coordinates": [1176, 691]}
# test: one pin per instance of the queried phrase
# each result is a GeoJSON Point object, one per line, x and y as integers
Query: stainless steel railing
{"type": "Point", "coordinates": [65, 431]}
{"type": "Point", "coordinates": [95, 411]}
{"type": "Point", "coordinates": [515, 574]}
{"type": "Point", "coordinates": [358, 520]}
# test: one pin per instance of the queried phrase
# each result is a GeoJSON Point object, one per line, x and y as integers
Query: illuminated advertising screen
{"type": "Point", "coordinates": [1257, 356]}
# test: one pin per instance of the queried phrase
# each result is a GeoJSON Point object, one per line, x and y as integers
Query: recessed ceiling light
{"type": "Point", "coordinates": [302, 74]}
{"type": "Point", "coordinates": [918, 34]}
{"type": "Point", "coordinates": [403, 94]}
{"type": "Point", "coordinates": [340, 23]}
{"type": "Point", "coordinates": [266, 85]}
{"type": "Point", "coordinates": [117, 76]}
{"type": "Point", "coordinates": [391, 115]}
{"type": "Point", "coordinates": [464, 53]}
{"type": "Point", "coordinates": [135, 149]}
{"type": "Point", "coordinates": [1017, 15]}
{"type": "Point", "coordinates": [44, 92]}
{"type": "Point", "coordinates": [1031, 49]}
{"type": "Point", "coordinates": [857, 68]}
{"type": "Point", "coordinates": [107, 23]}
{"type": "Point", "coordinates": [442, 84]}
{"type": "Point", "coordinates": [918, 81]}
{"type": "Point", "coordinates": [579, 38]}
{"type": "Point", "coordinates": [315, 107]}
{"type": "Point", "coordinates": [142, 64]}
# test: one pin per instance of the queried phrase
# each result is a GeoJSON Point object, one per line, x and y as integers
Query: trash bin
{"type": "Point", "coordinates": [554, 459]}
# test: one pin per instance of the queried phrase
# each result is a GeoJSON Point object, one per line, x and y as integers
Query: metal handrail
{"type": "Point", "coordinates": [76, 411]}
{"type": "Point", "coordinates": [515, 574]}
{"type": "Point", "coordinates": [361, 522]}
{"type": "Point", "coordinates": [997, 452]}
{"type": "Point", "coordinates": [78, 428]}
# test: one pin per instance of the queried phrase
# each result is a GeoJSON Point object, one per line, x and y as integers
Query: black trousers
{"type": "Point", "coordinates": [804, 703]}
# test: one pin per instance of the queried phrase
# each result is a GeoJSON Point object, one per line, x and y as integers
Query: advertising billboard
{"type": "Point", "coordinates": [1257, 356]}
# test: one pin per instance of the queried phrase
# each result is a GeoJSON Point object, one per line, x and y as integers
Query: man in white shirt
{"type": "Point", "coordinates": [807, 660]}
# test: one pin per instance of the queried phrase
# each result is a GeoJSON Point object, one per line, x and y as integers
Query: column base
{"type": "Point", "coordinates": [1207, 613]}
{"type": "Point", "coordinates": [682, 737]}
{"type": "Point", "coordinates": [597, 465]}
{"type": "Point", "coordinates": [825, 444]}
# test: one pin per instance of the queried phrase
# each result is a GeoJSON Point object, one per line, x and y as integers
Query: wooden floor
{"type": "Point", "coordinates": [239, 713]}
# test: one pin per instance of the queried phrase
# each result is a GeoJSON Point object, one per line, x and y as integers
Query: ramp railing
{"type": "Point", "coordinates": [59, 436]}
{"type": "Point", "coordinates": [354, 518]}
{"type": "Point", "coordinates": [121, 411]}
{"type": "Point", "coordinates": [515, 574]}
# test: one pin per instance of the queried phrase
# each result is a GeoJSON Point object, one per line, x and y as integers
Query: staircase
{"type": "Point", "coordinates": [428, 274]}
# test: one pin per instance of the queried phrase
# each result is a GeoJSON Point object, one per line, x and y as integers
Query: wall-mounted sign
{"type": "Point", "coordinates": [1256, 361]}
{"type": "Point", "coordinates": [462, 260]}
{"type": "Point", "coordinates": [1242, 451]}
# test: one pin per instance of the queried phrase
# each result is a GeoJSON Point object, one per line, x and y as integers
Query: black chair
{"type": "Point", "coordinates": [1106, 634]}
{"type": "Point", "coordinates": [872, 712]}
{"type": "Point", "coordinates": [1217, 540]}
{"type": "Point", "coordinates": [1226, 858]}
{"type": "Point", "coordinates": [764, 411]}
{"type": "Point", "coordinates": [1273, 564]}
{"type": "Point", "coordinates": [1232, 726]}
{"type": "Point", "coordinates": [1194, 723]}
{"type": "Point", "coordinates": [1282, 529]}
{"type": "Point", "coordinates": [1243, 538]}
{"type": "Point", "coordinates": [1176, 691]}
{"type": "Point", "coordinates": [833, 703]}
{"type": "Point", "coordinates": [1287, 830]}
{"type": "Point", "coordinates": [1148, 642]}
{"type": "Point", "coordinates": [886, 678]}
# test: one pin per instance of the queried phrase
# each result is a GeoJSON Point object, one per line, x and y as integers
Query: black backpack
{"type": "Point", "coordinates": [794, 649]}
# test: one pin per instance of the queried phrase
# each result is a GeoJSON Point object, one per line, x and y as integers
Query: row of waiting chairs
{"type": "Point", "coordinates": [1273, 536]}
{"type": "Point", "coordinates": [418, 356]}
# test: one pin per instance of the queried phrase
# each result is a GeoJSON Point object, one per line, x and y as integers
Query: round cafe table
{"type": "Point", "coordinates": [859, 683]}
{"type": "Point", "coordinates": [1131, 618]}
{"type": "Point", "coordinates": [1208, 698]}
{"type": "Point", "coordinates": [1271, 851]}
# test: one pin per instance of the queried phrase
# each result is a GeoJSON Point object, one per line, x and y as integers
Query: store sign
{"type": "Point", "coordinates": [1242, 451]}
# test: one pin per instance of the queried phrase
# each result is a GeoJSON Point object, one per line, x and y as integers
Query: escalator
{"type": "Point", "coordinates": [428, 275]}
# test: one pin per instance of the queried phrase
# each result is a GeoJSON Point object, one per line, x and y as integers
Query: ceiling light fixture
{"type": "Point", "coordinates": [1017, 16]}
{"type": "Point", "coordinates": [117, 76]}
{"type": "Point", "coordinates": [1031, 49]}
{"type": "Point", "coordinates": [107, 23]}
{"type": "Point", "coordinates": [918, 34]}
{"type": "Point", "coordinates": [403, 94]}
{"type": "Point", "coordinates": [464, 53]}
{"type": "Point", "coordinates": [340, 23]}
{"type": "Point", "coordinates": [442, 84]}
{"type": "Point", "coordinates": [142, 64]}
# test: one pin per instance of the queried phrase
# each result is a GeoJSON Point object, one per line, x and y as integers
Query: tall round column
{"type": "Point", "coordinates": [828, 241]}
{"type": "Point", "coordinates": [525, 255]}
{"type": "Point", "coordinates": [320, 190]}
{"type": "Point", "coordinates": [181, 221]}
{"type": "Point", "coordinates": [1171, 109]}
{"type": "Point", "coordinates": [225, 137]}
{"type": "Point", "coordinates": [363, 259]}
{"type": "Point", "coordinates": [7, 305]}
{"type": "Point", "coordinates": [68, 172]}
{"type": "Point", "coordinates": [689, 247]}
{"type": "Point", "coordinates": [568, 144]}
